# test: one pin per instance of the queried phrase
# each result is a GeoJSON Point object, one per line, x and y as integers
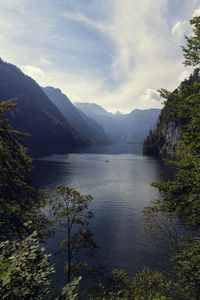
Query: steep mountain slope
{"type": "Point", "coordinates": [113, 125]}
{"type": "Point", "coordinates": [50, 132]}
{"type": "Point", "coordinates": [122, 128]}
{"type": "Point", "coordinates": [176, 118]}
{"type": "Point", "coordinates": [139, 123]}
{"type": "Point", "coordinates": [86, 126]}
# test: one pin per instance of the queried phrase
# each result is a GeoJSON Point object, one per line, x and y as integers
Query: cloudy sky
{"type": "Point", "coordinates": [116, 53]}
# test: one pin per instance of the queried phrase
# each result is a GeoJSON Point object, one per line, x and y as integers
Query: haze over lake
{"type": "Point", "coordinates": [119, 179]}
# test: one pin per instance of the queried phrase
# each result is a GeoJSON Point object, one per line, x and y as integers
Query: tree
{"type": "Point", "coordinates": [192, 50]}
{"type": "Point", "coordinates": [186, 270]}
{"type": "Point", "coordinates": [71, 211]}
{"type": "Point", "coordinates": [70, 291]}
{"type": "Point", "coordinates": [146, 284]}
{"type": "Point", "coordinates": [24, 269]}
{"type": "Point", "coordinates": [162, 227]}
{"type": "Point", "coordinates": [181, 195]}
{"type": "Point", "coordinates": [19, 201]}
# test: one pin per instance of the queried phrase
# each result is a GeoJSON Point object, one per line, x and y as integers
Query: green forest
{"type": "Point", "coordinates": [25, 267]}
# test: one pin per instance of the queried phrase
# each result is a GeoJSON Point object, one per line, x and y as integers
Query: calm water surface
{"type": "Point", "coordinates": [118, 178]}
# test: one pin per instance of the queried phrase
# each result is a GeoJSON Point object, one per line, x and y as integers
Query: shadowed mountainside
{"type": "Point", "coordinates": [37, 115]}
{"type": "Point", "coordinates": [81, 122]}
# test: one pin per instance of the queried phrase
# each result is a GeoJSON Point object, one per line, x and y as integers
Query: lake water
{"type": "Point", "coordinates": [119, 179]}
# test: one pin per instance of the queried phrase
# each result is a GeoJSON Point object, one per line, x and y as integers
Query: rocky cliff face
{"type": "Point", "coordinates": [164, 140]}
{"type": "Point", "coordinates": [171, 133]}
{"type": "Point", "coordinates": [177, 119]}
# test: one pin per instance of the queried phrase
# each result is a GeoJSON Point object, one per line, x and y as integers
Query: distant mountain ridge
{"type": "Point", "coordinates": [113, 125]}
{"type": "Point", "coordinates": [88, 127]}
{"type": "Point", "coordinates": [92, 108]}
{"type": "Point", "coordinates": [37, 115]}
{"type": "Point", "coordinates": [122, 128]}
{"type": "Point", "coordinates": [140, 122]}
{"type": "Point", "coordinates": [56, 125]}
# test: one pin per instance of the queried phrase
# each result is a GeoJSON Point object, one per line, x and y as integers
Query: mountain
{"type": "Point", "coordinates": [113, 125]}
{"type": "Point", "coordinates": [139, 123]}
{"type": "Point", "coordinates": [81, 122]}
{"type": "Point", "coordinates": [37, 115]}
{"type": "Point", "coordinates": [122, 128]}
{"type": "Point", "coordinates": [179, 119]}
{"type": "Point", "coordinates": [91, 109]}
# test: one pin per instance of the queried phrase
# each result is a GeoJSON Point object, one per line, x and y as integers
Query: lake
{"type": "Point", "coordinates": [119, 179]}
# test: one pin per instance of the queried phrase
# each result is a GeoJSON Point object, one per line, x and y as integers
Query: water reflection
{"type": "Point", "coordinates": [119, 180]}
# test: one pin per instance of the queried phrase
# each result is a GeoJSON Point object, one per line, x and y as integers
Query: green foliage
{"type": "Point", "coordinates": [150, 284]}
{"type": "Point", "coordinates": [186, 270]}
{"type": "Point", "coordinates": [24, 269]}
{"type": "Point", "coordinates": [182, 104]}
{"type": "Point", "coordinates": [70, 291]}
{"type": "Point", "coordinates": [153, 142]}
{"type": "Point", "coordinates": [162, 227]}
{"type": "Point", "coordinates": [192, 50]}
{"type": "Point", "coordinates": [145, 285]}
{"type": "Point", "coordinates": [182, 194]}
{"type": "Point", "coordinates": [19, 201]}
{"type": "Point", "coordinates": [71, 210]}
{"type": "Point", "coordinates": [181, 111]}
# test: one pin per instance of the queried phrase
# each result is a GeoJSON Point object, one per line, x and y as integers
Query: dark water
{"type": "Point", "coordinates": [118, 178]}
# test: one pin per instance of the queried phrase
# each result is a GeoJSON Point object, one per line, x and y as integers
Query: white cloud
{"type": "Point", "coordinates": [142, 61]}
{"type": "Point", "coordinates": [143, 53]}
{"type": "Point", "coordinates": [150, 98]}
{"type": "Point", "coordinates": [183, 27]}
{"type": "Point", "coordinates": [151, 94]}
{"type": "Point", "coordinates": [74, 98]}
{"type": "Point", "coordinates": [136, 34]}
{"type": "Point", "coordinates": [137, 30]}
{"type": "Point", "coordinates": [78, 17]}
{"type": "Point", "coordinates": [45, 61]}
{"type": "Point", "coordinates": [134, 93]}
{"type": "Point", "coordinates": [76, 87]}
{"type": "Point", "coordinates": [180, 28]}
{"type": "Point", "coordinates": [196, 12]}
{"type": "Point", "coordinates": [184, 75]}
{"type": "Point", "coordinates": [33, 72]}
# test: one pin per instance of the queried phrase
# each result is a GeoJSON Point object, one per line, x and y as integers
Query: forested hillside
{"type": "Point", "coordinates": [37, 115]}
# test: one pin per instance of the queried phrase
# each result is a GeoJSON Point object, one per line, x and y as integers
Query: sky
{"type": "Point", "coordinates": [116, 53]}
